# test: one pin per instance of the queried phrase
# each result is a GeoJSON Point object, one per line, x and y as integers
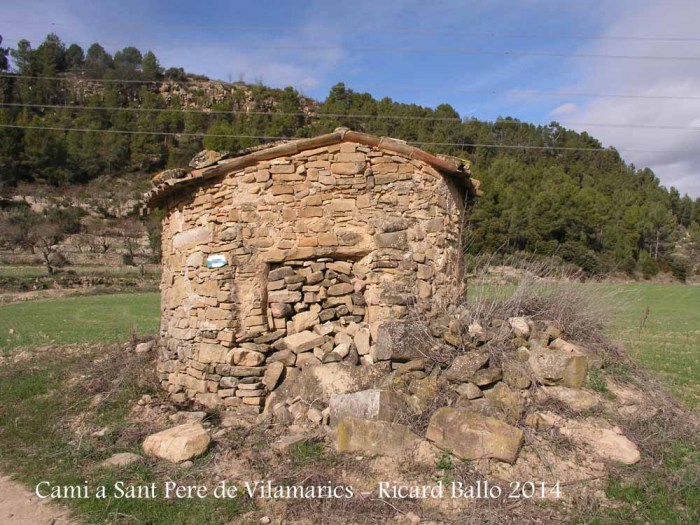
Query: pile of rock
{"type": "Point", "coordinates": [476, 404]}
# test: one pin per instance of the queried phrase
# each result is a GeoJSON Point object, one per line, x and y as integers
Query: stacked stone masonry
{"type": "Point", "coordinates": [320, 248]}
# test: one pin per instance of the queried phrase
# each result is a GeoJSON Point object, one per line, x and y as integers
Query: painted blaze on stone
{"type": "Point", "coordinates": [349, 233]}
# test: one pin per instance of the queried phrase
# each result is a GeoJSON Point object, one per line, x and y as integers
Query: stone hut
{"type": "Point", "coordinates": [295, 254]}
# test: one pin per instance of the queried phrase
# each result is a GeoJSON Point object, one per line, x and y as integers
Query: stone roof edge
{"type": "Point", "coordinates": [450, 166]}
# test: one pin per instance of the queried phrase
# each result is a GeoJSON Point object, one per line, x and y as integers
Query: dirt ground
{"type": "Point", "coordinates": [20, 506]}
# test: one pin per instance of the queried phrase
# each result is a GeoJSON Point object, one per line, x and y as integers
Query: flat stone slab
{"type": "Point", "coordinates": [375, 437]}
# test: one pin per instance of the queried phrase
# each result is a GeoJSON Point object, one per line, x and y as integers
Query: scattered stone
{"type": "Point", "coordinates": [122, 459]}
{"type": "Point", "coordinates": [187, 417]}
{"type": "Point", "coordinates": [523, 354]}
{"type": "Point", "coordinates": [286, 443]}
{"type": "Point", "coordinates": [487, 376]}
{"type": "Point", "coordinates": [143, 348]}
{"type": "Point", "coordinates": [179, 443]}
{"type": "Point", "coordinates": [314, 416]}
{"type": "Point", "coordinates": [470, 391]}
{"type": "Point", "coordinates": [520, 327]}
{"type": "Point", "coordinates": [472, 436]}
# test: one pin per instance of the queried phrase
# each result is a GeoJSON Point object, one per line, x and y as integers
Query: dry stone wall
{"type": "Point", "coordinates": [314, 251]}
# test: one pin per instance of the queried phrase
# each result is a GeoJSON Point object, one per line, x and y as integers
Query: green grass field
{"type": "Point", "coordinates": [666, 337]}
{"type": "Point", "coordinates": [99, 318]}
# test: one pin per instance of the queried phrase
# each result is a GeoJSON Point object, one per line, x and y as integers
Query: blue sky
{"type": "Point", "coordinates": [429, 53]}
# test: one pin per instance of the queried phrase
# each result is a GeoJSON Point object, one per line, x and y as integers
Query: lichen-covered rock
{"type": "Point", "coordinates": [516, 375]}
{"type": "Point", "coordinates": [506, 401]}
{"type": "Point", "coordinates": [471, 436]}
{"type": "Point", "coordinates": [400, 341]}
{"type": "Point", "coordinates": [558, 367]}
{"type": "Point", "coordinates": [464, 366]}
{"type": "Point", "coordinates": [179, 443]}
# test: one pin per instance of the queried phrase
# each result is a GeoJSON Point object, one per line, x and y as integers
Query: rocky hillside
{"type": "Point", "coordinates": [568, 198]}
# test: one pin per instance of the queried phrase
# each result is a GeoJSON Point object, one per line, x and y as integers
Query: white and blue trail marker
{"type": "Point", "coordinates": [216, 261]}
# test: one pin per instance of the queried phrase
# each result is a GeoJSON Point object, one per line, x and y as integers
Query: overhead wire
{"type": "Point", "coordinates": [340, 115]}
{"type": "Point", "coordinates": [432, 50]}
{"type": "Point", "coordinates": [278, 138]}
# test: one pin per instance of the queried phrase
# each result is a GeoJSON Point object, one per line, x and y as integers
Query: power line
{"type": "Point", "coordinates": [434, 50]}
{"type": "Point", "coordinates": [273, 138]}
{"type": "Point", "coordinates": [489, 34]}
{"type": "Point", "coordinates": [342, 115]}
{"type": "Point", "coordinates": [231, 112]}
{"type": "Point", "coordinates": [573, 94]}
{"type": "Point", "coordinates": [523, 92]}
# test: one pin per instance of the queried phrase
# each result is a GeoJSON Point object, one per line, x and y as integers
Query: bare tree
{"type": "Point", "coordinates": [45, 237]}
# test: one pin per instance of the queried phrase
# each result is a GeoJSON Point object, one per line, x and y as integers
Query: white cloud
{"type": "Point", "coordinates": [674, 155]}
{"type": "Point", "coordinates": [564, 109]}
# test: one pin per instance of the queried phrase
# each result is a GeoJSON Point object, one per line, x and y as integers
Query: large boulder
{"type": "Point", "coordinates": [375, 437]}
{"type": "Point", "coordinates": [399, 341]}
{"type": "Point", "coordinates": [179, 443]}
{"type": "Point", "coordinates": [374, 404]}
{"type": "Point", "coordinates": [469, 435]}
{"type": "Point", "coordinates": [558, 367]}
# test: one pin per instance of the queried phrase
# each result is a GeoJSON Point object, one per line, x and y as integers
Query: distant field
{"type": "Point", "coordinates": [151, 270]}
{"type": "Point", "coordinates": [100, 318]}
